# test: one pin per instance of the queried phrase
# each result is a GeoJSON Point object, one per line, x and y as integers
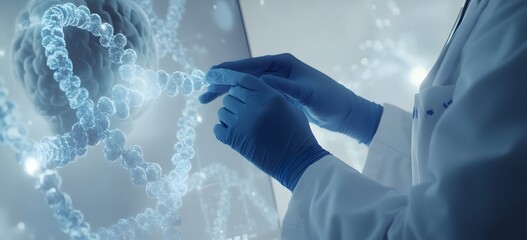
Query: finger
{"type": "Point", "coordinates": [296, 90]}
{"type": "Point", "coordinates": [240, 93]}
{"type": "Point", "coordinates": [213, 92]}
{"type": "Point", "coordinates": [216, 77]}
{"type": "Point", "coordinates": [216, 88]}
{"type": "Point", "coordinates": [233, 104]}
{"type": "Point", "coordinates": [229, 77]}
{"type": "Point", "coordinates": [208, 97]}
{"type": "Point", "coordinates": [221, 132]}
{"type": "Point", "coordinates": [255, 66]}
{"type": "Point", "coordinates": [227, 117]}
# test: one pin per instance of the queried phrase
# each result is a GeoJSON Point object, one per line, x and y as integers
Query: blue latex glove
{"type": "Point", "coordinates": [258, 122]}
{"type": "Point", "coordinates": [324, 101]}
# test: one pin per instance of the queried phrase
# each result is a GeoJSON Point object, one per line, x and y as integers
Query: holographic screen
{"type": "Point", "coordinates": [101, 136]}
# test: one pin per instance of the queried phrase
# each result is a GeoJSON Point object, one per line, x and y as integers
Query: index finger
{"type": "Point", "coordinates": [232, 78]}
{"type": "Point", "coordinates": [255, 66]}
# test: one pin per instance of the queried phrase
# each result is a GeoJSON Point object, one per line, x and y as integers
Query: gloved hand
{"type": "Point", "coordinates": [258, 122]}
{"type": "Point", "coordinates": [324, 101]}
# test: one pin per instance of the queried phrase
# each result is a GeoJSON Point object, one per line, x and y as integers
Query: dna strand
{"type": "Point", "coordinates": [93, 127]}
{"type": "Point", "coordinates": [138, 87]}
{"type": "Point", "coordinates": [166, 32]}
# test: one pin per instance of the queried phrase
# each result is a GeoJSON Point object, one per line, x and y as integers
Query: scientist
{"type": "Point", "coordinates": [454, 169]}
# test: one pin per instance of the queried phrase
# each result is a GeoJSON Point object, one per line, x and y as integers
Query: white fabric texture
{"type": "Point", "coordinates": [389, 155]}
{"type": "Point", "coordinates": [474, 156]}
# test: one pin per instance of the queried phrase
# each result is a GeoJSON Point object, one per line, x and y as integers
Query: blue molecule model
{"type": "Point", "coordinates": [87, 43]}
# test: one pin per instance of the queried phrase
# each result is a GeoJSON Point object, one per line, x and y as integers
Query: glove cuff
{"type": "Point", "coordinates": [290, 174]}
{"type": "Point", "coordinates": [363, 120]}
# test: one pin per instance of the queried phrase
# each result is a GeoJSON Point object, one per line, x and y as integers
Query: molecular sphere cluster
{"type": "Point", "coordinates": [91, 61]}
{"type": "Point", "coordinates": [87, 65]}
{"type": "Point", "coordinates": [92, 126]}
{"type": "Point", "coordinates": [165, 30]}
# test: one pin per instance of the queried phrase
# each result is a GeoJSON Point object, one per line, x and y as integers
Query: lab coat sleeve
{"type": "Point", "coordinates": [478, 156]}
{"type": "Point", "coordinates": [389, 161]}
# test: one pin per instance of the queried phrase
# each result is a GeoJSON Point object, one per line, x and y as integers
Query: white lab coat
{"type": "Point", "coordinates": [465, 177]}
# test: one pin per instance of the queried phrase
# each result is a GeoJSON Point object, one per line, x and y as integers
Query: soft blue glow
{"type": "Point", "coordinates": [93, 128]}
{"type": "Point", "coordinates": [166, 30]}
{"type": "Point", "coordinates": [137, 87]}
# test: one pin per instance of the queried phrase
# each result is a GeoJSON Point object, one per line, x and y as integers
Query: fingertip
{"type": "Point", "coordinates": [213, 76]}
{"type": "Point", "coordinates": [220, 131]}
{"type": "Point", "coordinates": [207, 98]}
{"type": "Point", "coordinates": [215, 67]}
{"type": "Point", "coordinates": [217, 88]}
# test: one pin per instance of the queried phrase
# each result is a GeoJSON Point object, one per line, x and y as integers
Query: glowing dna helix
{"type": "Point", "coordinates": [93, 127]}
{"type": "Point", "coordinates": [165, 30]}
{"type": "Point", "coordinates": [227, 179]}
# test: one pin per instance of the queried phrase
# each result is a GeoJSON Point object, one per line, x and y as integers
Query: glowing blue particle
{"type": "Point", "coordinates": [120, 93]}
{"type": "Point", "coordinates": [120, 96]}
{"type": "Point", "coordinates": [166, 30]}
{"type": "Point", "coordinates": [181, 161]}
{"type": "Point", "coordinates": [80, 136]}
{"type": "Point", "coordinates": [162, 208]}
{"type": "Point", "coordinates": [105, 107]}
{"type": "Point", "coordinates": [177, 176]}
{"type": "Point", "coordinates": [70, 14]}
{"type": "Point", "coordinates": [119, 41]}
{"type": "Point", "coordinates": [156, 189]}
{"type": "Point", "coordinates": [136, 98]}
{"type": "Point", "coordinates": [187, 132]}
{"type": "Point", "coordinates": [186, 85]}
{"type": "Point", "coordinates": [133, 157]}
{"type": "Point", "coordinates": [57, 33]}
{"type": "Point", "coordinates": [114, 145]}
{"type": "Point", "coordinates": [77, 97]}
{"type": "Point", "coordinates": [85, 113]}
{"type": "Point", "coordinates": [106, 34]}
{"type": "Point", "coordinates": [107, 234]}
{"type": "Point", "coordinates": [127, 72]}
{"type": "Point", "coordinates": [75, 218]}
{"type": "Point", "coordinates": [122, 110]}
{"type": "Point", "coordinates": [153, 171]}
{"type": "Point", "coordinates": [62, 13]}
{"type": "Point", "coordinates": [67, 152]}
{"type": "Point", "coordinates": [83, 16]}
{"type": "Point", "coordinates": [129, 57]}
{"type": "Point", "coordinates": [162, 78]}
{"type": "Point", "coordinates": [62, 213]}
{"type": "Point", "coordinates": [49, 180]}
{"type": "Point", "coordinates": [139, 84]}
{"type": "Point", "coordinates": [171, 219]}
{"type": "Point", "coordinates": [138, 176]}
{"type": "Point", "coordinates": [126, 228]}
{"type": "Point", "coordinates": [54, 197]}
{"type": "Point", "coordinates": [16, 132]}
{"type": "Point", "coordinates": [52, 49]}
{"type": "Point", "coordinates": [197, 78]}
{"type": "Point", "coordinates": [59, 60]}
{"type": "Point", "coordinates": [99, 131]}
{"type": "Point", "coordinates": [172, 88]}
{"type": "Point", "coordinates": [116, 54]}
{"type": "Point", "coordinates": [68, 85]}
{"type": "Point", "coordinates": [48, 40]}
{"type": "Point", "coordinates": [95, 24]}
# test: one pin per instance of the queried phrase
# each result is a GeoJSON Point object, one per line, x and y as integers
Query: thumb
{"type": "Point", "coordinates": [293, 89]}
